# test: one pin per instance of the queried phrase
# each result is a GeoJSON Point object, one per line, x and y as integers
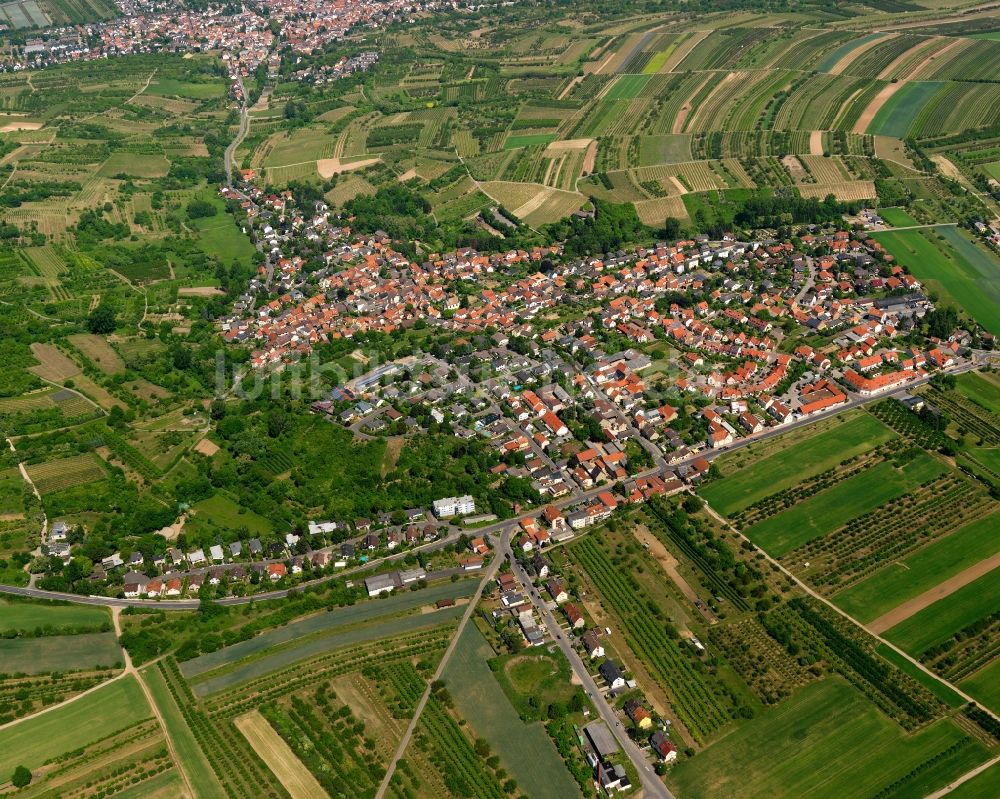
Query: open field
{"type": "Point", "coordinates": [897, 217]}
{"type": "Point", "coordinates": [898, 582]}
{"type": "Point", "coordinates": [788, 466]}
{"type": "Point", "coordinates": [525, 749]}
{"type": "Point", "coordinates": [29, 615]}
{"type": "Point", "coordinates": [827, 742]}
{"type": "Point", "coordinates": [269, 746]}
{"type": "Point", "coordinates": [59, 652]}
{"type": "Point", "coordinates": [116, 706]}
{"type": "Point", "coordinates": [984, 686]}
{"type": "Point", "coordinates": [219, 511]}
{"type": "Point", "coordinates": [852, 497]}
{"type": "Point", "coordinates": [947, 261]}
{"type": "Point", "coordinates": [97, 349]}
{"type": "Point", "coordinates": [940, 620]}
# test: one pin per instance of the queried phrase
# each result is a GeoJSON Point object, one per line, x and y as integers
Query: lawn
{"type": "Point", "coordinates": [790, 465]}
{"type": "Point", "coordinates": [108, 710]}
{"type": "Point", "coordinates": [221, 511]}
{"type": "Point", "coordinates": [29, 615]}
{"type": "Point", "coordinates": [827, 510]}
{"type": "Point", "coordinates": [984, 685]}
{"type": "Point", "coordinates": [526, 750]}
{"type": "Point", "coordinates": [897, 217]}
{"type": "Point", "coordinates": [322, 622]}
{"type": "Point", "coordinates": [58, 653]}
{"type": "Point", "coordinates": [962, 273]}
{"type": "Point", "coordinates": [513, 142]}
{"type": "Point", "coordinates": [826, 741]}
{"type": "Point", "coordinates": [219, 236]}
{"type": "Point", "coordinates": [898, 582]}
{"type": "Point", "coordinates": [189, 754]}
{"type": "Point", "coordinates": [939, 621]}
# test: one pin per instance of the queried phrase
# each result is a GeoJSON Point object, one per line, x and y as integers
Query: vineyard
{"type": "Point", "coordinates": [697, 699]}
{"type": "Point", "coordinates": [65, 473]}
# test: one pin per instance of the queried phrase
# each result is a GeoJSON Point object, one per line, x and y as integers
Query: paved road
{"type": "Point", "coordinates": [651, 784]}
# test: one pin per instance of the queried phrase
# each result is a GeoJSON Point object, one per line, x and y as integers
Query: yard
{"type": "Point", "coordinates": [110, 709]}
{"type": "Point", "coordinates": [826, 742]}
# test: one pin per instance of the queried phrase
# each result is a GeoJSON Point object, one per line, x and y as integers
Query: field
{"type": "Point", "coordinates": [29, 615]}
{"type": "Point", "coordinates": [65, 473]}
{"type": "Point", "coordinates": [849, 498]}
{"type": "Point", "coordinates": [99, 351]}
{"type": "Point", "coordinates": [788, 466]}
{"type": "Point", "coordinates": [220, 512]}
{"type": "Point", "coordinates": [897, 582]}
{"type": "Point", "coordinates": [289, 770]}
{"type": "Point", "coordinates": [57, 652]}
{"type": "Point", "coordinates": [114, 707]}
{"type": "Point", "coordinates": [897, 217]}
{"type": "Point", "coordinates": [944, 258]}
{"type": "Point", "coordinates": [939, 621]}
{"type": "Point", "coordinates": [525, 750]}
{"type": "Point", "coordinates": [826, 742]}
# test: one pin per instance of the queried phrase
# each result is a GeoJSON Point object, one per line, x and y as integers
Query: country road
{"type": "Point", "coordinates": [240, 134]}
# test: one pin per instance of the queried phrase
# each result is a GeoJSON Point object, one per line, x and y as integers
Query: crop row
{"type": "Point", "coordinates": [968, 650]}
{"type": "Point", "coordinates": [695, 703]}
{"type": "Point", "coordinates": [764, 666]}
{"type": "Point", "coordinates": [462, 770]}
{"type": "Point", "coordinates": [968, 415]}
{"type": "Point", "coordinates": [897, 416]}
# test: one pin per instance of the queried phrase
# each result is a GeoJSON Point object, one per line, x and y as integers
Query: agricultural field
{"type": "Point", "coordinates": [65, 473]}
{"type": "Point", "coordinates": [49, 616]}
{"type": "Point", "coordinates": [950, 263]}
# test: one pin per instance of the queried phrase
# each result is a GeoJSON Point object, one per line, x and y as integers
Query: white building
{"type": "Point", "coordinates": [454, 506]}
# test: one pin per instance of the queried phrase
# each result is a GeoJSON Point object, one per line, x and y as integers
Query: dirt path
{"type": "Point", "coordinates": [534, 203]}
{"type": "Point", "coordinates": [875, 105]}
{"type": "Point", "coordinates": [951, 786]}
{"type": "Point", "coordinates": [679, 121]}
{"type": "Point", "coordinates": [144, 86]}
{"type": "Point", "coordinates": [898, 61]}
{"type": "Point", "coordinates": [669, 565]}
{"type": "Point", "coordinates": [849, 58]}
{"type": "Point", "coordinates": [816, 142]}
{"type": "Point", "coordinates": [914, 72]}
{"type": "Point", "coordinates": [927, 598]}
{"type": "Point", "coordinates": [706, 103]}
{"type": "Point", "coordinates": [569, 87]}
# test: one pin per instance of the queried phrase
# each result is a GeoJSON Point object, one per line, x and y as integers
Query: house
{"type": "Point", "coordinates": [173, 587]}
{"type": "Point", "coordinates": [275, 571]}
{"type": "Point", "coordinates": [540, 566]}
{"type": "Point", "coordinates": [370, 542]}
{"type": "Point", "coordinates": [638, 714]}
{"type": "Point", "coordinates": [574, 616]}
{"type": "Point", "coordinates": [556, 591]}
{"type": "Point", "coordinates": [235, 549]}
{"type": "Point", "coordinates": [255, 547]}
{"type": "Point", "coordinates": [216, 552]}
{"type": "Point", "coordinates": [454, 506]}
{"type": "Point", "coordinates": [478, 546]}
{"type": "Point", "coordinates": [197, 557]}
{"type": "Point", "coordinates": [381, 584]}
{"type": "Point", "coordinates": [601, 739]}
{"type": "Point", "coordinates": [592, 644]}
{"type": "Point", "coordinates": [663, 747]}
{"type": "Point", "coordinates": [612, 675]}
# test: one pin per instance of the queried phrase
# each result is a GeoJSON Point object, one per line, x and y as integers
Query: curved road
{"type": "Point", "coordinates": [240, 134]}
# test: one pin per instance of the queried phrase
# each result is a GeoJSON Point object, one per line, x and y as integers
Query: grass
{"type": "Point", "coordinates": [58, 653]}
{"type": "Point", "coordinates": [982, 786]}
{"type": "Point", "coordinates": [964, 275]}
{"type": "Point", "coordinates": [114, 707]}
{"type": "Point", "coordinates": [526, 751]}
{"type": "Point", "coordinates": [829, 509]}
{"type": "Point", "coordinates": [936, 687]}
{"type": "Point", "coordinates": [980, 389]}
{"type": "Point", "coordinates": [179, 88]}
{"type": "Point", "coordinates": [222, 512]}
{"type": "Point", "coordinates": [898, 582]}
{"type": "Point", "coordinates": [29, 615]}
{"type": "Point", "coordinates": [189, 755]}
{"type": "Point", "coordinates": [938, 622]}
{"type": "Point", "coordinates": [792, 464]}
{"type": "Point", "coordinates": [66, 473]}
{"type": "Point", "coordinates": [897, 115]}
{"type": "Point", "coordinates": [897, 217]}
{"type": "Point", "coordinates": [528, 139]}
{"type": "Point", "coordinates": [984, 685]}
{"type": "Point", "coordinates": [827, 741]}
{"type": "Point", "coordinates": [627, 87]}
{"type": "Point", "coordinates": [219, 236]}
{"type": "Point", "coordinates": [993, 169]}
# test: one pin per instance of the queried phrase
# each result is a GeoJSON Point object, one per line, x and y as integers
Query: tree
{"type": "Point", "coordinates": [21, 777]}
{"type": "Point", "coordinates": [102, 319]}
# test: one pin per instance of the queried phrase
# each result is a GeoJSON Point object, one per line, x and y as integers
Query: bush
{"type": "Point", "coordinates": [21, 777]}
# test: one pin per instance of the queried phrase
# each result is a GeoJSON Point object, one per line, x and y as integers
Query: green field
{"type": "Point", "coordinates": [993, 169]}
{"type": "Point", "coordinates": [936, 687]}
{"type": "Point", "coordinates": [964, 274]}
{"type": "Point", "coordinates": [323, 622]}
{"type": "Point", "coordinates": [528, 139]}
{"type": "Point", "coordinates": [525, 749]}
{"type": "Point", "coordinates": [795, 463]}
{"type": "Point", "coordinates": [223, 512]}
{"type": "Point", "coordinates": [826, 742]}
{"type": "Point", "coordinates": [58, 653]}
{"type": "Point", "coordinates": [897, 217]}
{"type": "Point", "coordinates": [898, 582]}
{"type": "Point", "coordinates": [829, 509]}
{"type": "Point", "coordinates": [189, 754]}
{"type": "Point", "coordinates": [219, 236]}
{"type": "Point", "coordinates": [984, 685]}
{"type": "Point", "coordinates": [981, 389]}
{"type": "Point", "coordinates": [830, 61]}
{"type": "Point", "coordinates": [897, 115]}
{"type": "Point", "coordinates": [188, 89]}
{"type": "Point", "coordinates": [110, 709]}
{"type": "Point", "coordinates": [983, 786]}
{"type": "Point", "coordinates": [944, 618]}
{"type": "Point", "coordinates": [29, 615]}
{"type": "Point", "coordinates": [627, 87]}
{"type": "Point", "coordinates": [311, 647]}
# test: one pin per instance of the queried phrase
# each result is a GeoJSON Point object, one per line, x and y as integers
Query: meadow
{"type": "Point", "coordinates": [827, 742]}
{"type": "Point", "coordinates": [984, 686]}
{"type": "Point", "coordinates": [220, 512]}
{"type": "Point", "coordinates": [939, 621]}
{"type": "Point", "coordinates": [31, 615]}
{"type": "Point", "coordinates": [801, 459]}
{"type": "Point", "coordinates": [963, 274]}
{"type": "Point", "coordinates": [823, 512]}
{"type": "Point", "coordinates": [113, 707]}
{"type": "Point", "coordinates": [524, 749]}
{"type": "Point", "coordinates": [59, 652]}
